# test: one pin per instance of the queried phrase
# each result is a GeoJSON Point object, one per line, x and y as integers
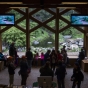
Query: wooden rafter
{"type": "Point", "coordinates": [20, 28]}
{"type": "Point", "coordinates": [64, 11]}
{"type": "Point", "coordinates": [50, 19]}
{"type": "Point", "coordinates": [65, 20]}
{"type": "Point", "coordinates": [50, 11]}
{"type": "Point", "coordinates": [64, 28]}
{"type": "Point", "coordinates": [34, 11]}
{"type": "Point", "coordinates": [20, 11]}
{"type": "Point", "coordinates": [35, 28]}
{"type": "Point", "coordinates": [42, 24]}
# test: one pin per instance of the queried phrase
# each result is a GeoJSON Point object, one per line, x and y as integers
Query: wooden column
{"type": "Point", "coordinates": [57, 29]}
{"type": "Point", "coordinates": [86, 40]}
{"type": "Point", "coordinates": [27, 29]}
{"type": "Point", "coordinates": [85, 11]}
{"type": "Point", "coordinates": [0, 41]}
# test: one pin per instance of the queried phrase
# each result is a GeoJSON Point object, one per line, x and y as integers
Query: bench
{"type": "Point", "coordinates": [72, 60]}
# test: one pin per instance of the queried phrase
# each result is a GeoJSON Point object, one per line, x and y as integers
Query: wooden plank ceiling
{"type": "Point", "coordinates": [42, 4]}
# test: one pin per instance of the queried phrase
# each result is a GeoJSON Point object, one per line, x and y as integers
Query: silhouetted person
{"type": "Point", "coordinates": [53, 59]}
{"type": "Point", "coordinates": [12, 50]}
{"type": "Point", "coordinates": [29, 56]}
{"type": "Point", "coordinates": [60, 72]}
{"type": "Point", "coordinates": [23, 70]}
{"type": "Point", "coordinates": [47, 56]}
{"type": "Point", "coordinates": [46, 70]}
{"type": "Point", "coordinates": [77, 76]}
{"type": "Point", "coordinates": [81, 57]}
{"type": "Point", "coordinates": [11, 69]}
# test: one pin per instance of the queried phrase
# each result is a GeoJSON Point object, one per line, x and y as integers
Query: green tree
{"type": "Point", "coordinates": [14, 35]}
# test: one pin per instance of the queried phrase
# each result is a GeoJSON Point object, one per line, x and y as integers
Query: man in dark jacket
{"type": "Point", "coordinates": [46, 70]}
{"type": "Point", "coordinates": [81, 57]}
{"type": "Point", "coordinates": [23, 70]}
{"type": "Point", "coordinates": [29, 56]}
{"type": "Point", "coordinates": [60, 72]}
{"type": "Point", "coordinates": [77, 76]}
{"type": "Point", "coordinates": [12, 50]}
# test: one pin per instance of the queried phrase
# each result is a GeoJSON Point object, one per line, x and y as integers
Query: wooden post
{"type": "Point", "coordinates": [0, 41]}
{"type": "Point", "coordinates": [85, 11]}
{"type": "Point", "coordinates": [86, 40]}
{"type": "Point", "coordinates": [27, 30]}
{"type": "Point", "coordinates": [57, 29]}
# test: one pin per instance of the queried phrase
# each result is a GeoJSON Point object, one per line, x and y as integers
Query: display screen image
{"type": "Point", "coordinates": [79, 20]}
{"type": "Point", "coordinates": [7, 19]}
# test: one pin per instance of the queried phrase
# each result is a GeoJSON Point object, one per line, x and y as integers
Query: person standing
{"type": "Point", "coordinates": [16, 58]}
{"type": "Point", "coordinates": [53, 59]}
{"type": "Point", "coordinates": [23, 70]}
{"type": "Point", "coordinates": [11, 68]}
{"type": "Point", "coordinates": [42, 58]}
{"type": "Point", "coordinates": [77, 76]}
{"type": "Point", "coordinates": [29, 56]}
{"type": "Point", "coordinates": [81, 57]}
{"type": "Point", "coordinates": [60, 72]}
{"type": "Point", "coordinates": [12, 50]}
{"type": "Point", "coordinates": [47, 56]}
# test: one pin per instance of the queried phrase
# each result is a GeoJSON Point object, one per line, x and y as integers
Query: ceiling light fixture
{"type": "Point", "coordinates": [74, 2]}
{"type": "Point", "coordinates": [67, 7]}
{"type": "Point", "coordinates": [10, 2]}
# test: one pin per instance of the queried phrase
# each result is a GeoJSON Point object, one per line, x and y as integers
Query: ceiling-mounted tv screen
{"type": "Point", "coordinates": [7, 19]}
{"type": "Point", "coordinates": [79, 19]}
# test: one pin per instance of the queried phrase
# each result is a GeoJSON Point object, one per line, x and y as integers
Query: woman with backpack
{"type": "Point", "coordinates": [77, 76]}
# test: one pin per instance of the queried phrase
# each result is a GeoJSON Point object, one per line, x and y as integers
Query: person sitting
{"type": "Point", "coordinates": [46, 70]}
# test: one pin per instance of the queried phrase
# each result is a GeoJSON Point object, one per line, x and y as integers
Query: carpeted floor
{"type": "Point", "coordinates": [4, 77]}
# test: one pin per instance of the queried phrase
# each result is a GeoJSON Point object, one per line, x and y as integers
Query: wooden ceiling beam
{"type": "Point", "coordinates": [64, 11]}
{"type": "Point", "coordinates": [80, 29]}
{"type": "Point", "coordinates": [4, 29]}
{"type": "Point", "coordinates": [50, 11]}
{"type": "Point", "coordinates": [42, 24]}
{"type": "Point", "coordinates": [20, 28]}
{"type": "Point", "coordinates": [34, 11]}
{"type": "Point", "coordinates": [19, 20]}
{"type": "Point", "coordinates": [50, 19]}
{"type": "Point", "coordinates": [65, 20]}
{"type": "Point", "coordinates": [35, 28]}
{"type": "Point", "coordinates": [66, 27]}
{"type": "Point", "coordinates": [20, 11]}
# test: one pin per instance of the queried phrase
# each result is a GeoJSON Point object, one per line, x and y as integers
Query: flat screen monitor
{"type": "Point", "coordinates": [7, 19]}
{"type": "Point", "coordinates": [45, 81]}
{"type": "Point", "coordinates": [79, 19]}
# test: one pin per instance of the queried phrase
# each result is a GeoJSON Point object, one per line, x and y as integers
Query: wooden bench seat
{"type": "Point", "coordinates": [72, 60]}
